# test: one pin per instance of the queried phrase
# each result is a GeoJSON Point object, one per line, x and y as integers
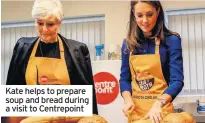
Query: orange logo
{"type": "Point", "coordinates": [43, 79]}
{"type": "Point", "coordinates": [106, 87]}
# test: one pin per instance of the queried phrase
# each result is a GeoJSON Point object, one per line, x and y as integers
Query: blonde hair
{"type": "Point", "coordinates": [45, 8]}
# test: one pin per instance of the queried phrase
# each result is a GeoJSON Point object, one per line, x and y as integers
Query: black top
{"type": "Point", "coordinates": [50, 50]}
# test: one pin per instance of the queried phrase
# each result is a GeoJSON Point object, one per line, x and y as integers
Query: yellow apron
{"type": "Point", "coordinates": [148, 82]}
{"type": "Point", "coordinates": [47, 71]}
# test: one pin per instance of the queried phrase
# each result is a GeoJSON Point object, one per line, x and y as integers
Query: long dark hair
{"type": "Point", "coordinates": [135, 34]}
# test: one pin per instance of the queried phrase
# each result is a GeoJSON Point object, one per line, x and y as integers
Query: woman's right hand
{"type": "Point", "coordinates": [129, 106]}
{"type": "Point", "coordinates": [128, 103]}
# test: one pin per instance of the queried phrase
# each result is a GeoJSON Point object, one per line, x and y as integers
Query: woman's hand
{"type": "Point", "coordinates": [128, 103]}
{"type": "Point", "coordinates": [128, 107]}
{"type": "Point", "coordinates": [155, 112]}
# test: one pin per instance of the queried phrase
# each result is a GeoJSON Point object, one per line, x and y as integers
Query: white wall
{"type": "Point", "coordinates": [116, 13]}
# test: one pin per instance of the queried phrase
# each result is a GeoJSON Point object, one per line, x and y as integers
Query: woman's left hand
{"type": "Point", "coordinates": [155, 112]}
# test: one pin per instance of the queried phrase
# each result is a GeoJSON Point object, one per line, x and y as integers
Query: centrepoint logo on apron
{"type": "Point", "coordinates": [44, 79]}
{"type": "Point", "coordinates": [106, 87]}
{"type": "Point", "coordinates": [48, 81]}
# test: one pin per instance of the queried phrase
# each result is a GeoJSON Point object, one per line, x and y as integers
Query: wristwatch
{"type": "Point", "coordinates": [162, 101]}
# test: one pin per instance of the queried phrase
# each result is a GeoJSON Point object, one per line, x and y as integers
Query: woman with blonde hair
{"type": "Point", "coordinates": [50, 58]}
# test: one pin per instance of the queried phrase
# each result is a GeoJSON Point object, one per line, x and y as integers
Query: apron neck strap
{"type": "Point", "coordinates": [157, 43]}
{"type": "Point", "coordinates": [61, 48]}
{"type": "Point", "coordinates": [131, 51]}
{"type": "Point", "coordinates": [35, 48]}
{"type": "Point", "coordinates": [62, 56]}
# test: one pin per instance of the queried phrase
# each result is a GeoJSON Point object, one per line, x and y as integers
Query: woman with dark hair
{"type": "Point", "coordinates": [152, 65]}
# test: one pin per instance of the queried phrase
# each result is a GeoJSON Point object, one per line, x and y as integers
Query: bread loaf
{"type": "Point", "coordinates": [182, 117]}
{"type": "Point", "coordinates": [188, 117]}
{"type": "Point", "coordinates": [93, 119]}
{"type": "Point", "coordinates": [51, 120]}
{"type": "Point", "coordinates": [143, 121]}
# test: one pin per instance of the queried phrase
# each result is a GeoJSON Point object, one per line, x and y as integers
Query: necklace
{"type": "Point", "coordinates": [53, 51]}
